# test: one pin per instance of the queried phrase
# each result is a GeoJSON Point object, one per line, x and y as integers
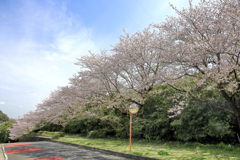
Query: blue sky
{"type": "Point", "coordinates": [41, 39]}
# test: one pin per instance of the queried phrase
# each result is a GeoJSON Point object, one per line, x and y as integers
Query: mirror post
{"type": "Point", "coordinates": [130, 132]}
{"type": "Point", "coordinates": [132, 109]}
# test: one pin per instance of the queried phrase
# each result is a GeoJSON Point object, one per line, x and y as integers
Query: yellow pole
{"type": "Point", "coordinates": [130, 131]}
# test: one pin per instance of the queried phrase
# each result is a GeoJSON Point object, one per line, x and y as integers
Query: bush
{"type": "Point", "coordinates": [4, 131]}
{"type": "Point", "coordinates": [163, 153]}
{"type": "Point", "coordinates": [3, 117]}
{"type": "Point", "coordinates": [43, 133]}
{"type": "Point", "coordinates": [52, 127]}
{"type": "Point", "coordinates": [55, 136]}
{"type": "Point", "coordinates": [93, 134]}
{"type": "Point", "coordinates": [62, 134]}
{"type": "Point", "coordinates": [203, 123]}
{"type": "Point", "coordinates": [96, 134]}
{"type": "Point", "coordinates": [154, 123]}
{"type": "Point", "coordinates": [40, 132]}
{"type": "Point", "coordinates": [102, 134]}
{"type": "Point", "coordinates": [229, 147]}
{"type": "Point", "coordinates": [82, 126]}
{"type": "Point", "coordinates": [29, 134]}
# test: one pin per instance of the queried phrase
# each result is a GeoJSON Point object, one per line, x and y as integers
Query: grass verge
{"type": "Point", "coordinates": [164, 150]}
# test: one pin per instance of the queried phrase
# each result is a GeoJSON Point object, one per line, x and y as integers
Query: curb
{"type": "Point", "coordinates": [4, 153]}
{"type": "Point", "coordinates": [115, 153]}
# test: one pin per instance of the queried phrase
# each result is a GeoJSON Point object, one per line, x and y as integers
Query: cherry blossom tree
{"type": "Point", "coordinates": [130, 71]}
{"type": "Point", "coordinates": [201, 45]}
{"type": "Point", "coordinates": [205, 46]}
{"type": "Point", "coordinates": [138, 59]}
{"type": "Point", "coordinates": [24, 125]}
{"type": "Point", "coordinates": [97, 82]}
{"type": "Point", "coordinates": [60, 107]}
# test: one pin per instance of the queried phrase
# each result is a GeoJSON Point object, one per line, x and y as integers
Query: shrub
{"type": "Point", "coordinates": [29, 134]}
{"type": "Point", "coordinates": [55, 136]}
{"type": "Point", "coordinates": [102, 134]}
{"type": "Point", "coordinates": [229, 147]}
{"type": "Point", "coordinates": [96, 134]}
{"type": "Point", "coordinates": [197, 144]}
{"type": "Point", "coordinates": [163, 153]}
{"type": "Point", "coordinates": [202, 122]}
{"type": "Point", "coordinates": [4, 131]}
{"type": "Point", "coordinates": [62, 134]}
{"type": "Point", "coordinates": [52, 127]}
{"type": "Point", "coordinates": [40, 132]}
{"type": "Point", "coordinates": [154, 124]}
{"type": "Point", "coordinates": [221, 145]}
{"type": "Point", "coordinates": [92, 134]}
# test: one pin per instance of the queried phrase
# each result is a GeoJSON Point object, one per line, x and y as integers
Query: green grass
{"type": "Point", "coordinates": [164, 150]}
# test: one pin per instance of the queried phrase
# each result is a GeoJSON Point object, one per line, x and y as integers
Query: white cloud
{"type": "Point", "coordinates": [2, 103]}
{"type": "Point", "coordinates": [20, 106]}
{"type": "Point", "coordinates": [7, 88]}
{"type": "Point", "coordinates": [54, 67]}
{"type": "Point", "coordinates": [69, 45]}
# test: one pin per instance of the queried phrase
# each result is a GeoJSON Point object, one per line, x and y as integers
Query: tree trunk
{"type": "Point", "coordinates": [234, 103]}
{"type": "Point", "coordinates": [238, 120]}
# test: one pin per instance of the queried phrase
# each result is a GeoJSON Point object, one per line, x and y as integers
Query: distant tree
{"type": "Point", "coordinates": [59, 107]}
{"type": "Point", "coordinates": [24, 125]}
{"type": "Point", "coordinates": [4, 130]}
{"type": "Point", "coordinates": [3, 117]}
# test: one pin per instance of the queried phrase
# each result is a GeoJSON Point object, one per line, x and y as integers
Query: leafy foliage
{"type": "Point", "coordinates": [4, 131]}
{"type": "Point", "coordinates": [152, 121]}
{"type": "Point", "coordinates": [201, 121]}
{"type": "Point", "coordinates": [51, 127]}
{"type": "Point", "coordinates": [3, 117]}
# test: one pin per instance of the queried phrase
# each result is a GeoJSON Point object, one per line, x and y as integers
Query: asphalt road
{"type": "Point", "coordinates": [56, 151]}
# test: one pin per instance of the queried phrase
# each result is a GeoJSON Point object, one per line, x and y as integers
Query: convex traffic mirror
{"type": "Point", "coordinates": [133, 108]}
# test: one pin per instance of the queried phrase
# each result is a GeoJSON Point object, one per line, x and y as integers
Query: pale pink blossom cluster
{"type": "Point", "coordinates": [24, 125]}
{"type": "Point", "coordinates": [201, 43]}
{"type": "Point", "coordinates": [176, 110]}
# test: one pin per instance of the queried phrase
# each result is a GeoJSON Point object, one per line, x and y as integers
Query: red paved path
{"type": "Point", "coordinates": [24, 150]}
{"type": "Point", "coordinates": [16, 145]}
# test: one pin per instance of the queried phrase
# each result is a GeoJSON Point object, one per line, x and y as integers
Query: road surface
{"type": "Point", "coordinates": [52, 151]}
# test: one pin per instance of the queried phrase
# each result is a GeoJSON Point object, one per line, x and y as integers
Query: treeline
{"type": "Point", "coordinates": [3, 117]}
{"type": "Point", "coordinates": [184, 74]}
{"type": "Point", "coordinates": [5, 125]}
{"type": "Point", "coordinates": [199, 121]}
